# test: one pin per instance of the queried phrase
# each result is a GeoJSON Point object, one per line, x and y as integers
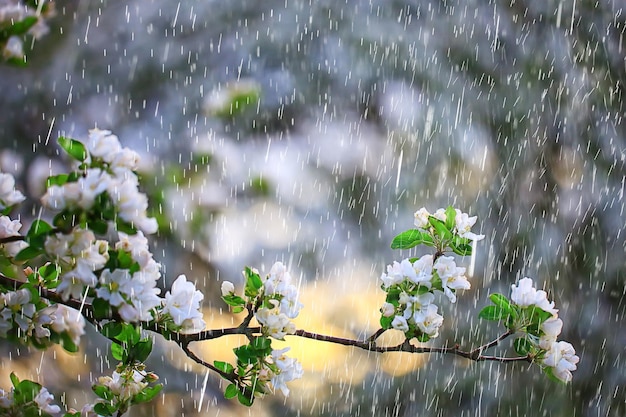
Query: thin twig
{"type": "Point", "coordinates": [228, 376]}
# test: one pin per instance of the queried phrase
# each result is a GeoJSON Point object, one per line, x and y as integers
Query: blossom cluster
{"type": "Point", "coordinates": [42, 402]}
{"type": "Point", "coordinates": [23, 315]}
{"type": "Point", "coordinates": [11, 228]}
{"type": "Point", "coordinates": [274, 302]}
{"type": "Point", "coordinates": [9, 196]}
{"type": "Point", "coordinates": [17, 18]}
{"type": "Point", "coordinates": [557, 357]}
{"type": "Point", "coordinates": [410, 286]}
{"type": "Point", "coordinates": [462, 222]}
{"type": "Point", "coordinates": [107, 170]}
{"type": "Point", "coordinates": [280, 303]}
{"type": "Point", "coordinates": [281, 370]}
{"type": "Point", "coordinates": [183, 304]}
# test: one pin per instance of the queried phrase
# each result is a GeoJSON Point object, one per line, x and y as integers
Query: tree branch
{"type": "Point", "coordinates": [369, 344]}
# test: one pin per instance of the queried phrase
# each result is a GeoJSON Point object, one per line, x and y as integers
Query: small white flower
{"type": "Point", "coordinates": [551, 329]}
{"type": "Point", "coordinates": [400, 323]}
{"type": "Point", "coordinates": [183, 303]}
{"type": "Point", "coordinates": [388, 309]}
{"type": "Point", "coordinates": [102, 144]}
{"type": "Point", "coordinates": [9, 196]}
{"type": "Point", "coordinates": [440, 214]}
{"type": "Point", "coordinates": [275, 323]}
{"type": "Point", "coordinates": [14, 48]}
{"type": "Point", "coordinates": [43, 400]}
{"type": "Point", "coordinates": [452, 277]}
{"type": "Point", "coordinates": [428, 320]}
{"type": "Point", "coordinates": [288, 370]}
{"type": "Point", "coordinates": [421, 218]}
{"type": "Point", "coordinates": [228, 288]}
{"type": "Point", "coordinates": [463, 224]}
{"type": "Point", "coordinates": [393, 276]}
{"type": "Point", "coordinates": [111, 285]}
{"type": "Point", "coordinates": [525, 294]}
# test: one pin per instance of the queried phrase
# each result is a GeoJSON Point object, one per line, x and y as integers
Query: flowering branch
{"type": "Point", "coordinates": [112, 282]}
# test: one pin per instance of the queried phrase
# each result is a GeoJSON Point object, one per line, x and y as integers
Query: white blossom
{"type": "Point", "coordinates": [387, 309]}
{"type": "Point", "coordinates": [183, 304]}
{"type": "Point", "coordinates": [428, 320]}
{"type": "Point", "coordinates": [227, 288]}
{"type": "Point", "coordinates": [9, 196]}
{"type": "Point", "coordinates": [14, 48]}
{"type": "Point", "coordinates": [562, 359]}
{"type": "Point", "coordinates": [275, 323]}
{"type": "Point", "coordinates": [463, 224]}
{"type": "Point", "coordinates": [421, 218]}
{"type": "Point", "coordinates": [102, 144]}
{"type": "Point", "coordinates": [67, 320]}
{"type": "Point", "coordinates": [126, 384]}
{"type": "Point", "coordinates": [43, 400]}
{"type": "Point", "coordinates": [452, 277]}
{"type": "Point", "coordinates": [550, 329]}
{"type": "Point", "coordinates": [9, 228]}
{"type": "Point", "coordinates": [400, 323]}
{"type": "Point", "coordinates": [288, 370]}
{"type": "Point", "coordinates": [524, 294]}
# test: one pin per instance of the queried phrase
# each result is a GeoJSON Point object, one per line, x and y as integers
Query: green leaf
{"type": "Point", "coordinates": [141, 350]}
{"type": "Point", "coordinates": [233, 300]}
{"type": "Point", "coordinates": [231, 391]}
{"type": "Point", "coordinates": [28, 253]}
{"type": "Point", "coordinates": [102, 392]}
{"type": "Point", "coordinates": [111, 329]}
{"type": "Point", "coordinates": [450, 218]}
{"type": "Point", "coordinates": [124, 227]}
{"type": "Point", "coordinates": [60, 179]}
{"type": "Point", "coordinates": [494, 313]}
{"type": "Point", "coordinates": [67, 343]}
{"type": "Point", "coordinates": [98, 226]}
{"type": "Point", "coordinates": [14, 379]}
{"type": "Point", "coordinates": [245, 399]}
{"type": "Point", "coordinates": [118, 352]}
{"type": "Point", "coordinates": [25, 392]}
{"type": "Point", "coordinates": [147, 394]}
{"type": "Point", "coordinates": [440, 228]}
{"type": "Point", "coordinates": [49, 272]}
{"type": "Point", "coordinates": [411, 238]}
{"type": "Point", "coordinates": [385, 322]}
{"type": "Point", "coordinates": [38, 228]}
{"type": "Point", "coordinates": [501, 301]}
{"type": "Point", "coordinates": [246, 355]}
{"type": "Point", "coordinates": [261, 344]}
{"type": "Point", "coordinates": [104, 409]}
{"type": "Point", "coordinates": [20, 27]}
{"type": "Point", "coordinates": [101, 308]}
{"type": "Point", "coordinates": [129, 334]}
{"type": "Point", "coordinates": [461, 246]}
{"type": "Point", "coordinates": [74, 148]}
{"type": "Point", "coordinates": [224, 366]}
{"type": "Point", "coordinates": [253, 283]}
{"type": "Point", "coordinates": [522, 346]}
{"type": "Point", "coordinates": [422, 337]}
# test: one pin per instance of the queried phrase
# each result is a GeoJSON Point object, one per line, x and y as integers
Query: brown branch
{"type": "Point", "coordinates": [227, 376]}
{"type": "Point", "coordinates": [369, 344]}
{"type": "Point", "coordinates": [10, 239]}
